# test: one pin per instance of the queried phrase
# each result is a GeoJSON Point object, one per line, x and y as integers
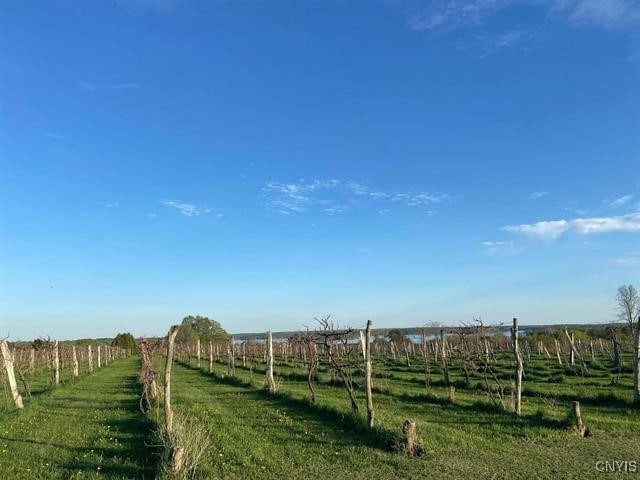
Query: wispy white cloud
{"type": "Point", "coordinates": [537, 195]}
{"type": "Point", "coordinates": [109, 204]}
{"type": "Point", "coordinates": [92, 86]}
{"type": "Point", "coordinates": [621, 201]}
{"type": "Point", "coordinates": [546, 230]}
{"type": "Point", "coordinates": [447, 15]}
{"type": "Point", "coordinates": [484, 31]}
{"type": "Point", "coordinates": [122, 86]}
{"type": "Point", "coordinates": [551, 230]}
{"type": "Point", "coordinates": [500, 247]}
{"type": "Point", "coordinates": [610, 14]}
{"type": "Point", "coordinates": [55, 136]}
{"type": "Point", "coordinates": [336, 196]}
{"type": "Point", "coordinates": [485, 43]}
{"type": "Point", "coordinates": [152, 215]}
{"type": "Point", "coordinates": [187, 209]}
{"type": "Point", "coordinates": [576, 211]}
{"type": "Point", "coordinates": [621, 223]}
{"type": "Point", "coordinates": [630, 260]}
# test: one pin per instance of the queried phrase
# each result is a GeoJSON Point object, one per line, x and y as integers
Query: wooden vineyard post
{"type": "Point", "coordinates": [577, 419]}
{"type": "Point", "coordinates": [98, 358]}
{"type": "Point", "coordinates": [572, 354]}
{"type": "Point", "coordinates": [244, 354]}
{"type": "Point", "coordinates": [575, 353]}
{"type": "Point", "coordinates": [8, 365]}
{"type": "Point", "coordinates": [558, 352]}
{"type": "Point", "coordinates": [409, 431]}
{"type": "Point", "coordinates": [519, 368]}
{"type": "Point", "coordinates": [32, 359]}
{"type": "Point", "coordinates": [90, 357]}
{"type": "Point", "coordinates": [56, 364]}
{"type": "Point", "coordinates": [198, 352]}
{"type": "Point", "coordinates": [232, 358]}
{"type": "Point", "coordinates": [270, 382]}
{"type": "Point", "coordinates": [210, 357]}
{"type": "Point", "coordinates": [168, 413]}
{"type": "Point", "coordinates": [443, 354]}
{"type": "Point", "coordinates": [367, 374]}
{"type": "Point", "coordinates": [74, 359]}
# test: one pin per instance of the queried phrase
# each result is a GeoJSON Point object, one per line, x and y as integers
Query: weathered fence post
{"type": "Point", "coordinates": [32, 359]}
{"type": "Point", "coordinates": [558, 352]}
{"type": "Point", "coordinates": [74, 360]}
{"type": "Point", "coordinates": [168, 413]}
{"type": "Point", "coordinates": [7, 356]}
{"type": "Point", "coordinates": [367, 373]}
{"type": "Point", "coordinates": [572, 354]}
{"type": "Point", "coordinates": [443, 353]}
{"type": "Point", "coordinates": [409, 431]}
{"type": "Point", "coordinates": [270, 382]}
{"type": "Point", "coordinates": [210, 357]}
{"type": "Point", "coordinates": [98, 360]}
{"type": "Point", "coordinates": [231, 351]}
{"type": "Point", "coordinates": [198, 352]}
{"type": "Point", "coordinates": [90, 356]}
{"type": "Point", "coordinates": [577, 419]}
{"type": "Point", "coordinates": [244, 354]}
{"type": "Point", "coordinates": [575, 353]}
{"type": "Point", "coordinates": [56, 364]}
{"type": "Point", "coordinates": [519, 368]}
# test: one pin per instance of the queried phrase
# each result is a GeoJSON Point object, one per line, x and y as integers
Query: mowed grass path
{"type": "Point", "coordinates": [254, 436]}
{"type": "Point", "coordinates": [88, 428]}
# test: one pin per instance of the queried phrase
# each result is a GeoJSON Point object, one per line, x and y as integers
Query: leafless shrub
{"type": "Point", "coordinates": [342, 356]}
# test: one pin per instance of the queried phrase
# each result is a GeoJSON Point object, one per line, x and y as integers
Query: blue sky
{"type": "Point", "coordinates": [266, 163]}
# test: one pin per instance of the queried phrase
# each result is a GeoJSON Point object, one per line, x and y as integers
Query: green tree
{"type": "Point", "coordinates": [396, 335]}
{"type": "Point", "coordinates": [207, 330]}
{"type": "Point", "coordinates": [125, 340]}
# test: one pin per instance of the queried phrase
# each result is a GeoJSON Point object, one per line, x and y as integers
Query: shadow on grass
{"type": "Point", "coordinates": [534, 420]}
{"type": "Point", "coordinates": [377, 436]}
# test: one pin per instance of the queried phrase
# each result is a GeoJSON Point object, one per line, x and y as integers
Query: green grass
{"type": "Point", "coordinates": [91, 427]}
{"type": "Point", "coordinates": [284, 436]}
{"type": "Point", "coordinates": [88, 428]}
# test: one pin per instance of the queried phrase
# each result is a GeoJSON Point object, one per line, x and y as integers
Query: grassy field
{"type": "Point", "coordinates": [87, 428]}
{"type": "Point", "coordinates": [255, 435]}
{"type": "Point", "coordinates": [91, 427]}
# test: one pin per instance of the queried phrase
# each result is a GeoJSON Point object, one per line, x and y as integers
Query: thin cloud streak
{"type": "Point", "coordinates": [553, 229]}
{"type": "Point", "coordinates": [54, 136]}
{"type": "Point", "coordinates": [619, 202]}
{"type": "Point", "coordinates": [447, 15]}
{"type": "Point", "coordinates": [537, 195]}
{"type": "Point", "coordinates": [336, 196]}
{"type": "Point", "coordinates": [631, 260]}
{"type": "Point", "coordinates": [500, 247]}
{"type": "Point", "coordinates": [187, 209]}
{"type": "Point", "coordinates": [122, 86]}
{"type": "Point", "coordinates": [92, 87]}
